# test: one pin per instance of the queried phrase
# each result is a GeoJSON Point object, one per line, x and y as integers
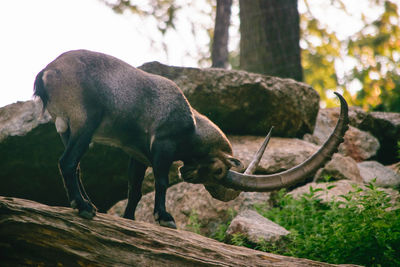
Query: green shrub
{"type": "Point", "coordinates": [194, 224]}
{"type": "Point", "coordinates": [220, 233]}
{"type": "Point", "coordinates": [363, 227]}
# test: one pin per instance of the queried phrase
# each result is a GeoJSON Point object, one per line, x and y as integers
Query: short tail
{"type": "Point", "coordinates": [39, 90]}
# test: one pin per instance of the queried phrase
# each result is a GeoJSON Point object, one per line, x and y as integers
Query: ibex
{"type": "Point", "coordinates": [96, 97]}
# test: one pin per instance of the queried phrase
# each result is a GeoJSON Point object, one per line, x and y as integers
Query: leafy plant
{"type": "Point", "coordinates": [194, 224]}
{"type": "Point", "coordinates": [363, 227]}
{"type": "Point", "coordinates": [220, 233]}
{"type": "Point", "coordinates": [239, 239]}
{"type": "Point", "coordinates": [398, 149]}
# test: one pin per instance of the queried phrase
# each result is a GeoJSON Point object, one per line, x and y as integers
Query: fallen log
{"type": "Point", "coordinates": [41, 235]}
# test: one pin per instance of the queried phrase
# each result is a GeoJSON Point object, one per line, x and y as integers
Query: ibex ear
{"type": "Point", "coordinates": [235, 162]}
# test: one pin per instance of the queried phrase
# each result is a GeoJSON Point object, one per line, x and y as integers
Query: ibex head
{"type": "Point", "coordinates": [209, 170]}
{"type": "Point", "coordinates": [216, 174]}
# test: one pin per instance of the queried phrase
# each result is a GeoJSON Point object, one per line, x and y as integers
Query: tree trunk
{"type": "Point", "coordinates": [219, 52]}
{"type": "Point", "coordinates": [40, 235]}
{"type": "Point", "coordinates": [270, 34]}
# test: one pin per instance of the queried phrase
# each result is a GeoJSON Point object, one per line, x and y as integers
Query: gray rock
{"type": "Point", "coordinates": [20, 118]}
{"type": "Point", "coordinates": [30, 148]}
{"type": "Point", "coordinates": [340, 167]}
{"type": "Point", "coordinates": [29, 151]}
{"type": "Point", "coordinates": [246, 103]}
{"type": "Point", "coordinates": [385, 177]}
{"type": "Point", "coordinates": [385, 126]}
{"type": "Point", "coordinates": [359, 145]}
{"type": "Point", "coordinates": [186, 200]}
{"type": "Point", "coordinates": [255, 227]}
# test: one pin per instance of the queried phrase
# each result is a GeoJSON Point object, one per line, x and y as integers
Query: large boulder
{"type": "Point", "coordinates": [385, 176]}
{"type": "Point", "coordinates": [359, 145]}
{"type": "Point", "coordinates": [29, 151]}
{"type": "Point", "coordinates": [385, 126]}
{"type": "Point", "coordinates": [20, 118]}
{"type": "Point", "coordinates": [246, 103]}
{"type": "Point", "coordinates": [30, 148]}
{"type": "Point", "coordinates": [281, 153]}
{"type": "Point", "coordinates": [185, 201]}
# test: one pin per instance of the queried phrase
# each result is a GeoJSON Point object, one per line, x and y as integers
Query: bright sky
{"type": "Point", "coordinates": [34, 32]}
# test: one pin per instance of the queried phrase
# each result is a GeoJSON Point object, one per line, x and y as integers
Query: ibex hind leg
{"type": "Point", "coordinates": [77, 144]}
{"type": "Point", "coordinates": [136, 172]}
{"type": "Point", "coordinates": [65, 138]}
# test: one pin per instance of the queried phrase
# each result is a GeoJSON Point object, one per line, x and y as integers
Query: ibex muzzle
{"type": "Point", "coordinates": [96, 97]}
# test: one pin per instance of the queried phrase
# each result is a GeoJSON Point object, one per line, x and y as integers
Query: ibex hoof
{"type": "Point", "coordinates": [169, 224]}
{"type": "Point", "coordinates": [73, 204]}
{"type": "Point", "coordinates": [86, 209]}
{"type": "Point", "coordinates": [165, 219]}
{"type": "Point", "coordinates": [87, 214]}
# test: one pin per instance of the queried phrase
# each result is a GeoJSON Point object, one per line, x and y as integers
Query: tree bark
{"type": "Point", "coordinates": [40, 235]}
{"type": "Point", "coordinates": [219, 52]}
{"type": "Point", "coordinates": [270, 34]}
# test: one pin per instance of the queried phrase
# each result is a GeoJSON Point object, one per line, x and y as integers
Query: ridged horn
{"type": "Point", "coordinates": [257, 157]}
{"type": "Point", "coordinates": [270, 182]}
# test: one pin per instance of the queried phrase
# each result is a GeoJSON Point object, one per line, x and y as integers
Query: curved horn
{"type": "Point", "coordinates": [265, 183]}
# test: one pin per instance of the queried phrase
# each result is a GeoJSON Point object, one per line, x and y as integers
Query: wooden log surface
{"type": "Point", "coordinates": [40, 235]}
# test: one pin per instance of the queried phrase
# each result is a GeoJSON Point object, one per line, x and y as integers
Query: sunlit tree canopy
{"type": "Point", "coordinates": [363, 65]}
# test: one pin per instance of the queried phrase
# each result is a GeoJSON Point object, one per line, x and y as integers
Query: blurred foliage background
{"type": "Point", "coordinates": [371, 77]}
{"type": "Point", "coordinates": [363, 65]}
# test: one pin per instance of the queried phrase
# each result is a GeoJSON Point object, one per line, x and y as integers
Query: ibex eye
{"type": "Point", "coordinates": [218, 171]}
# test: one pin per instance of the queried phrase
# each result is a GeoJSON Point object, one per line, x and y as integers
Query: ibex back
{"type": "Point", "coordinates": [96, 97]}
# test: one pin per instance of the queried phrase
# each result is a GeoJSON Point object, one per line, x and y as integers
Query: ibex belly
{"type": "Point", "coordinates": [134, 143]}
